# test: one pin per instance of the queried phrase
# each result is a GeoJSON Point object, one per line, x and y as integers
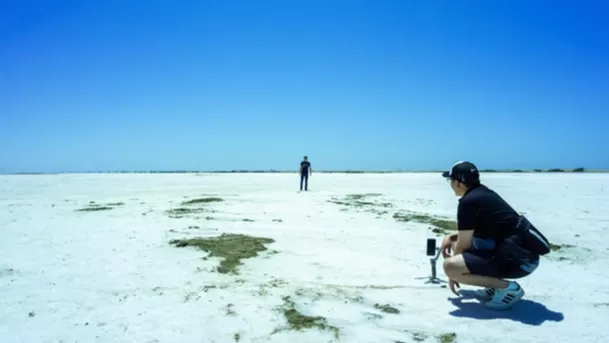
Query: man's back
{"type": "Point", "coordinates": [487, 213]}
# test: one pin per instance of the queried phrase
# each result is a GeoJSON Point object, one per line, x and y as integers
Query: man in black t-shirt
{"type": "Point", "coordinates": [485, 222]}
{"type": "Point", "coordinates": [305, 172]}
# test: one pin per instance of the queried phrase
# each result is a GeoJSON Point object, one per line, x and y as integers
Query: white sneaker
{"type": "Point", "coordinates": [504, 298]}
{"type": "Point", "coordinates": [485, 293]}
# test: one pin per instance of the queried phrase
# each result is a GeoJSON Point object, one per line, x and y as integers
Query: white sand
{"type": "Point", "coordinates": [111, 276]}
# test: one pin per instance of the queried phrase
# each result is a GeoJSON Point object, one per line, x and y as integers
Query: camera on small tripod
{"type": "Point", "coordinates": [433, 251]}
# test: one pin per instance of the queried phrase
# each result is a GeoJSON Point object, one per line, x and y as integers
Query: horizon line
{"type": "Point", "coordinates": [326, 171]}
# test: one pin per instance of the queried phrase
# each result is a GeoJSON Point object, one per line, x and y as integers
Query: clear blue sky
{"type": "Point", "coordinates": [209, 85]}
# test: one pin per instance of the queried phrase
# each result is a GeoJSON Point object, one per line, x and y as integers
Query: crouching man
{"type": "Point", "coordinates": [493, 242]}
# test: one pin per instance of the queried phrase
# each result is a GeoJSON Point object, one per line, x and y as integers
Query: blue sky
{"type": "Point", "coordinates": [210, 85]}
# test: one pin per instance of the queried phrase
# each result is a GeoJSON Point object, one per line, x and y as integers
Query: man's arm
{"type": "Point", "coordinates": [310, 170]}
{"type": "Point", "coordinates": [467, 214]}
{"type": "Point", "coordinates": [464, 241]}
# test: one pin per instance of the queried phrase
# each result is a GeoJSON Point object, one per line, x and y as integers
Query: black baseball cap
{"type": "Point", "coordinates": [464, 172]}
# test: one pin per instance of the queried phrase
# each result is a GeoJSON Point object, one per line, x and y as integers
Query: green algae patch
{"type": "Point", "coordinates": [182, 211]}
{"type": "Point", "coordinates": [556, 247]}
{"type": "Point", "coordinates": [94, 207]}
{"type": "Point", "coordinates": [387, 308]}
{"type": "Point", "coordinates": [441, 226]}
{"type": "Point", "coordinates": [417, 336]}
{"type": "Point", "coordinates": [367, 202]}
{"type": "Point", "coordinates": [200, 201]}
{"type": "Point", "coordinates": [188, 207]}
{"type": "Point", "coordinates": [360, 200]}
{"type": "Point", "coordinates": [298, 321]}
{"type": "Point", "coordinates": [232, 248]}
{"type": "Point", "coordinates": [362, 196]}
{"type": "Point", "coordinates": [450, 337]}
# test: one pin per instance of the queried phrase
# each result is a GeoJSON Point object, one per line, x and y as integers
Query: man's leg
{"type": "Point", "coordinates": [456, 269]}
{"type": "Point", "coordinates": [306, 182]}
{"type": "Point", "coordinates": [479, 269]}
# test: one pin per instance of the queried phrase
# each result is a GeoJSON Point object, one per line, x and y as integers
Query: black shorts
{"type": "Point", "coordinates": [485, 263]}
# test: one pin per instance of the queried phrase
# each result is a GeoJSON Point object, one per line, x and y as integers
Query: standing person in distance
{"type": "Point", "coordinates": [305, 172]}
{"type": "Point", "coordinates": [493, 242]}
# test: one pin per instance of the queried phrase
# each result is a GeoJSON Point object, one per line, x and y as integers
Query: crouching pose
{"type": "Point", "coordinates": [493, 242]}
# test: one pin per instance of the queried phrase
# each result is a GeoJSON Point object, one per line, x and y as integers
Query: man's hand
{"type": "Point", "coordinates": [452, 284]}
{"type": "Point", "coordinates": [446, 246]}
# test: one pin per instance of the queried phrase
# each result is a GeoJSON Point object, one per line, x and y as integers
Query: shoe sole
{"type": "Point", "coordinates": [484, 298]}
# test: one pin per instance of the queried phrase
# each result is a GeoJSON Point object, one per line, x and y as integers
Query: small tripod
{"type": "Point", "coordinates": [432, 250]}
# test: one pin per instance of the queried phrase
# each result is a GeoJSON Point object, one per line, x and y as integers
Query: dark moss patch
{"type": "Point", "coordinates": [556, 247]}
{"type": "Point", "coordinates": [200, 201]}
{"type": "Point", "coordinates": [440, 226]}
{"type": "Point", "coordinates": [248, 220]}
{"type": "Point", "coordinates": [231, 247]}
{"type": "Point", "coordinates": [362, 202]}
{"type": "Point", "coordinates": [373, 316]}
{"type": "Point", "coordinates": [447, 337]}
{"type": "Point", "coordinates": [237, 337]}
{"type": "Point", "coordinates": [387, 308]}
{"type": "Point", "coordinates": [361, 196]}
{"type": "Point", "coordinates": [299, 321]}
{"type": "Point", "coordinates": [188, 209]}
{"type": "Point", "coordinates": [276, 283]}
{"type": "Point", "coordinates": [95, 208]}
{"type": "Point", "coordinates": [192, 296]}
{"type": "Point", "coordinates": [182, 211]}
{"type": "Point", "coordinates": [230, 310]}
{"type": "Point", "coordinates": [417, 336]}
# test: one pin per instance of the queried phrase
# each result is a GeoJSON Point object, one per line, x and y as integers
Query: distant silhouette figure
{"type": "Point", "coordinates": [305, 172]}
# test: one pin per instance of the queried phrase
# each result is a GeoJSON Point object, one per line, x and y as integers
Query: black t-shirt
{"type": "Point", "coordinates": [484, 211]}
{"type": "Point", "coordinates": [304, 167]}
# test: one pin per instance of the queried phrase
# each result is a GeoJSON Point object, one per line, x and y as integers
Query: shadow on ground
{"type": "Point", "coordinates": [526, 311]}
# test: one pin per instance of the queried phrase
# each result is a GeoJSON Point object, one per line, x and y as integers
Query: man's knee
{"type": "Point", "coordinates": [455, 266]}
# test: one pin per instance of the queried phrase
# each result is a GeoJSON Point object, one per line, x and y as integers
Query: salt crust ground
{"type": "Point", "coordinates": [111, 276]}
